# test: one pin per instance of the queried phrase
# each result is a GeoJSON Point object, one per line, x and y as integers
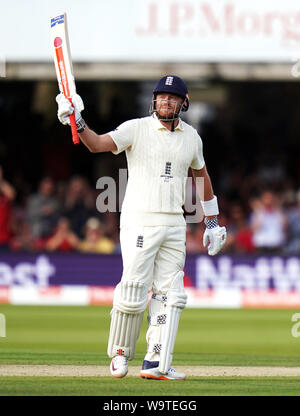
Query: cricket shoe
{"type": "Point", "coordinates": [119, 366]}
{"type": "Point", "coordinates": [150, 371]}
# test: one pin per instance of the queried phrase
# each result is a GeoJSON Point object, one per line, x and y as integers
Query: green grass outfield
{"type": "Point", "coordinates": [134, 386]}
{"type": "Point", "coordinates": [78, 335]}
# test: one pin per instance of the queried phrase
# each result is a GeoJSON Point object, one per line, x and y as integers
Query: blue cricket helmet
{"type": "Point", "coordinates": [173, 85]}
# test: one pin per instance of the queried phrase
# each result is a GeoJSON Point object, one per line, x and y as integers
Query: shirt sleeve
{"type": "Point", "coordinates": [124, 135]}
{"type": "Point", "coordinates": [198, 160]}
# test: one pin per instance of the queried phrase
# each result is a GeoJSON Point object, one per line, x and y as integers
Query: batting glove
{"type": "Point", "coordinates": [216, 237]}
{"type": "Point", "coordinates": [65, 108]}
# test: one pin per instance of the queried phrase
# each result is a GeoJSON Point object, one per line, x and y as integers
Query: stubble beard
{"type": "Point", "coordinates": [169, 115]}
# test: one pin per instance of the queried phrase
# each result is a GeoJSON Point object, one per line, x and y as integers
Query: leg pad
{"type": "Point", "coordinates": [130, 300]}
{"type": "Point", "coordinates": [176, 301]}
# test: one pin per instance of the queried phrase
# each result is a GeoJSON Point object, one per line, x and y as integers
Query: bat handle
{"type": "Point", "coordinates": [75, 136]}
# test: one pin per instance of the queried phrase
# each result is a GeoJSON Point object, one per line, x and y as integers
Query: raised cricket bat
{"type": "Point", "coordinates": [63, 63]}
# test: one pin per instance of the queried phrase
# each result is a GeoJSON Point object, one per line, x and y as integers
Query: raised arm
{"type": "Point", "coordinates": [94, 142]}
{"type": "Point", "coordinates": [97, 142]}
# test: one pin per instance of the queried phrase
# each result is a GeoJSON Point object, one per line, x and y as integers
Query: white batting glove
{"type": "Point", "coordinates": [216, 237]}
{"type": "Point", "coordinates": [65, 108]}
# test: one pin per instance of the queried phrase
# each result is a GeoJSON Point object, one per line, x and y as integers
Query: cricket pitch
{"type": "Point", "coordinates": [103, 371]}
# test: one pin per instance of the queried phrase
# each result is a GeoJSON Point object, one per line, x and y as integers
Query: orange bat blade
{"type": "Point", "coordinates": [65, 83]}
{"type": "Point", "coordinates": [63, 64]}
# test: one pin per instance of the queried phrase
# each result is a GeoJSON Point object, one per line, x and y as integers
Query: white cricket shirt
{"type": "Point", "coordinates": [158, 162]}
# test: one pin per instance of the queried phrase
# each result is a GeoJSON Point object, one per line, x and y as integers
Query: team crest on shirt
{"type": "Point", "coordinates": [140, 241]}
{"type": "Point", "coordinates": [167, 175]}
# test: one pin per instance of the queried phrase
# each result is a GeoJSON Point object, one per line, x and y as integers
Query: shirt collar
{"type": "Point", "coordinates": [160, 126]}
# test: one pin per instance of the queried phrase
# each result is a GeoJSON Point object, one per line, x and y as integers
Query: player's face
{"type": "Point", "coordinates": [167, 105]}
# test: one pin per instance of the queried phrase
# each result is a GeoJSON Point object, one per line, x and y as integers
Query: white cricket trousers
{"type": "Point", "coordinates": [153, 255]}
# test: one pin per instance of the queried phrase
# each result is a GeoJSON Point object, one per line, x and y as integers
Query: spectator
{"type": "Point", "coordinates": [7, 196]}
{"type": "Point", "coordinates": [192, 245]}
{"type": "Point", "coordinates": [79, 204]}
{"type": "Point", "coordinates": [95, 240]}
{"type": "Point", "coordinates": [63, 238]}
{"type": "Point", "coordinates": [43, 209]}
{"type": "Point", "coordinates": [268, 223]}
{"type": "Point", "coordinates": [23, 240]}
{"type": "Point", "coordinates": [239, 232]}
{"type": "Point", "coordinates": [194, 242]}
{"type": "Point", "coordinates": [293, 228]}
{"type": "Point", "coordinates": [111, 225]}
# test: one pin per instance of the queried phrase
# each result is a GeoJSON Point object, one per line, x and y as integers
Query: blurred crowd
{"type": "Point", "coordinates": [250, 145]}
{"type": "Point", "coordinates": [268, 224]}
{"type": "Point", "coordinates": [57, 217]}
{"type": "Point", "coordinates": [63, 217]}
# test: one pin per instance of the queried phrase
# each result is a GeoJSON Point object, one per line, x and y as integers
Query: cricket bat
{"type": "Point", "coordinates": [63, 63]}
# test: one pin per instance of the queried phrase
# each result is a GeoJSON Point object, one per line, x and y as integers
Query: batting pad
{"type": "Point", "coordinates": [130, 300]}
{"type": "Point", "coordinates": [156, 319]}
{"type": "Point", "coordinates": [176, 301]}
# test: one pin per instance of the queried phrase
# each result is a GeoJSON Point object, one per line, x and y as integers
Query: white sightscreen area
{"type": "Point", "coordinates": [155, 30]}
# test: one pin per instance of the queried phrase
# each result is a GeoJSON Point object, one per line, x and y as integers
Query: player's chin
{"type": "Point", "coordinates": [167, 115]}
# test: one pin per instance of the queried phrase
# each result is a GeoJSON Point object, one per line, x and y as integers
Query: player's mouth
{"type": "Point", "coordinates": [167, 108]}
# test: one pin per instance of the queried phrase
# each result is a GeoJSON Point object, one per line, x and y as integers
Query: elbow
{"type": "Point", "coordinates": [93, 149]}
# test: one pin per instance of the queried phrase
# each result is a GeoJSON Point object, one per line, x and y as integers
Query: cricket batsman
{"type": "Point", "coordinates": [160, 149]}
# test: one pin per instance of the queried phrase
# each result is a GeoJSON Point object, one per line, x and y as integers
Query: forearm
{"type": "Point", "coordinates": [214, 236]}
{"type": "Point", "coordinates": [90, 139]}
{"type": "Point", "coordinates": [208, 192]}
{"type": "Point", "coordinates": [97, 142]}
{"type": "Point", "coordinates": [204, 188]}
